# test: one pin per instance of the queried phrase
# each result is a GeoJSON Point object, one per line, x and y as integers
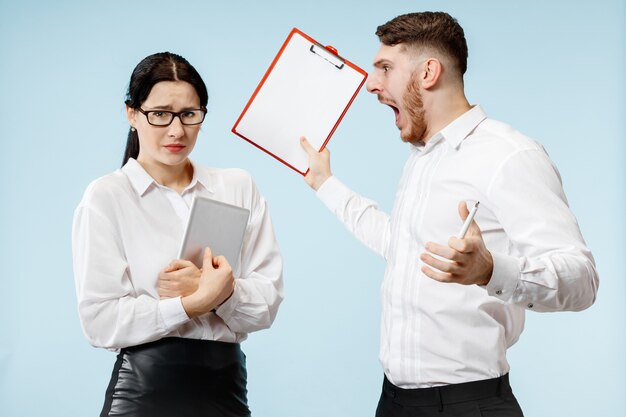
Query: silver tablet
{"type": "Point", "coordinates": [215, 224]}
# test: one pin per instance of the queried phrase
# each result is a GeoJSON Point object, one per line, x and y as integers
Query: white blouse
{"type": "Point", "coordinates": [128, 228]}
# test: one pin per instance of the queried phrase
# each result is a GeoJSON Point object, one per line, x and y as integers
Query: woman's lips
{"type": "Point", "coordinates": [174, 148]}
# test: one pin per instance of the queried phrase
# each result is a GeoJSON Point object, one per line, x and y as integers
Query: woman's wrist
{"type": "Point", "coordinates": [196, 304]}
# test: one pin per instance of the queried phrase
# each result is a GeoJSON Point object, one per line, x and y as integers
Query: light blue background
{"type": "Point", "coordinates": [553, 69]}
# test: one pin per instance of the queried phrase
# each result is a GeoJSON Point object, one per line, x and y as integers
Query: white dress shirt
{"type": "Point", "coordinates": [128, 228]}
{"type": "Point", "coordinates": [435, 333]}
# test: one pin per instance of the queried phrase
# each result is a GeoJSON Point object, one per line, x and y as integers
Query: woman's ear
{"type": "Point", "coordinates": [131, 115]}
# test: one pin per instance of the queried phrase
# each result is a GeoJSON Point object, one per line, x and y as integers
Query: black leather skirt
{"type": "Point", "coordinates": [176, 377]}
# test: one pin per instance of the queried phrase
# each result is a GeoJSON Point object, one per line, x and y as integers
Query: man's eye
{"type": "Point", "coordinates": [386, 68]}
{"type": "Point", "coordinates": [189, 114]}
{"type": "Point", "coordinates": [159, 114]}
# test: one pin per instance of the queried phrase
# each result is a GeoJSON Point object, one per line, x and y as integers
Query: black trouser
{"type": "Point", "coordinates": [177, 377]}
{"type": "Point", "coordinates": [487, 398]}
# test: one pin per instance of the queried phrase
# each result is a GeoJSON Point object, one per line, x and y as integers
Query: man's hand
{"type": "Point", "coordinates": [465, 261]}
{"type": "Point", "coordinates": [179, 278]}
{"type": "Point", "coordinates": [319, 165]}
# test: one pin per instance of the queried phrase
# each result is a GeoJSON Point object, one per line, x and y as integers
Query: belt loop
{"type": "Point", "coordinates": [440, 399]}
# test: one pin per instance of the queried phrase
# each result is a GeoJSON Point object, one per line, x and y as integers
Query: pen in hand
{"type": "Point", "coordinates": [468, 221]}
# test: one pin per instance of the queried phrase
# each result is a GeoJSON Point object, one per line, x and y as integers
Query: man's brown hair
{"type": "Point", "coordinates": [436, 30]}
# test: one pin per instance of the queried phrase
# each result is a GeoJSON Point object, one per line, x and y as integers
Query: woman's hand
{"type": "Point", "coordinates": [215, 286]}
{"type": "Point", "coordinates": [179, 279]}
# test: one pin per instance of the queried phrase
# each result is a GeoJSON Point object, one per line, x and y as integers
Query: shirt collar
{"type": "Point", "coordinates": [455, 132]}
{"type": "Point", "coordinates": [462, 126]}
{"type": "Point", "coordinates": [422, 148]}
{"type": "Point", "coordinates": [203, 177]}
{"type": "Point", "coordinates": [141, 180]}
{"type": "Point", "coordinates": [138, 177]}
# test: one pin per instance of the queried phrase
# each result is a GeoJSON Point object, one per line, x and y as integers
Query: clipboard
{"type": "Point", "coordinates": [306, 91]}
{"type": "Point", "coordinates": [215, 224]}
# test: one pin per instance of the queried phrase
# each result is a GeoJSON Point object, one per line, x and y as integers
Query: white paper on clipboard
{"type": "Point", "coordinates": [305, 92]}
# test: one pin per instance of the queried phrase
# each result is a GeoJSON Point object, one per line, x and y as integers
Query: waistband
{"type": "Point", "coordinates": [448, 394]}
{"type": "Point", "coordinates": [182, 350]}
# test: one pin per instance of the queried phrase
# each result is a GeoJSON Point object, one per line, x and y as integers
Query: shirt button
{"type": "Point", "coordinates": [499, 292]}
{"type": "Point", "coordinates": [530, 305]}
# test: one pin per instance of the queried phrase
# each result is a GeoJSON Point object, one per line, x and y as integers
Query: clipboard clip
{"type": "Point", "coordinates": [329, 54]}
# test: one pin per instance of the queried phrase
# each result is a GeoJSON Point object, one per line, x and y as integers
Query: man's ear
{"type": "Point", "coordinates": [131, 115]}
{"type": "Point", "coordinates": [431, 73]}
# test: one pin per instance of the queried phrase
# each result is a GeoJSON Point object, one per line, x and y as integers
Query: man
{"type": "Point", "coordinates": [452, 306]}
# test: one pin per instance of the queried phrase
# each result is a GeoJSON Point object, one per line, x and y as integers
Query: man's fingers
{"type": "Point", "coordinates": [474, 230]}
{"type": "Point", "coordinates": [311, 151]}
{"type": "Point", "coordinates": [440, 250]}
{"type": "Point", "coordinates": [437, 276]}
{"type": "Point", "coordinates": [307, 146]}
{"type": "Point", "coordinates": [463, 210]}
{"type": "Point", "coordinates": [460, 245]}
{"type": "Point", "coordinates": [439, 264]}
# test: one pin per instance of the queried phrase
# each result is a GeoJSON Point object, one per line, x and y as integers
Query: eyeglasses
{"type": "Point", "coordinates": [165, 118]}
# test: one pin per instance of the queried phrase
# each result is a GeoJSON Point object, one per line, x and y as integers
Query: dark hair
{"type": "Point", "coordinates": [437, 30]}
{"type": "Point", "coordinates": [163, 66]}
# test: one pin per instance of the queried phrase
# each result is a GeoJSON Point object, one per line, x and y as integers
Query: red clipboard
{"type": "Point", "coordinates": [306, 91]}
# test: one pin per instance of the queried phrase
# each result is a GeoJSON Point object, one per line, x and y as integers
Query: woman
{"type": "Point", "coordinates": [177, 328]}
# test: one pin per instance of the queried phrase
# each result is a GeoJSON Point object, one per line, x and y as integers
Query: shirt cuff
{"type": "Point", "coordinates": [505, 277]}
{"type": "Point", "coordinates": [333, 193]}
{"type": "Point", "coordinates": [172, 312]}
{"type": "Point", "coordinates": [226, 310]}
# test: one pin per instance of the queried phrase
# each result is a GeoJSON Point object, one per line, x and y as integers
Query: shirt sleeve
{"type": "Point", "coordinates": [112, 315]}
{"type": "Point", "coordinates": [259, 287]}
{"type": "Point", "coordinates": [548, 266]}
{"type": "Point", "coordinates": [361, 216]}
